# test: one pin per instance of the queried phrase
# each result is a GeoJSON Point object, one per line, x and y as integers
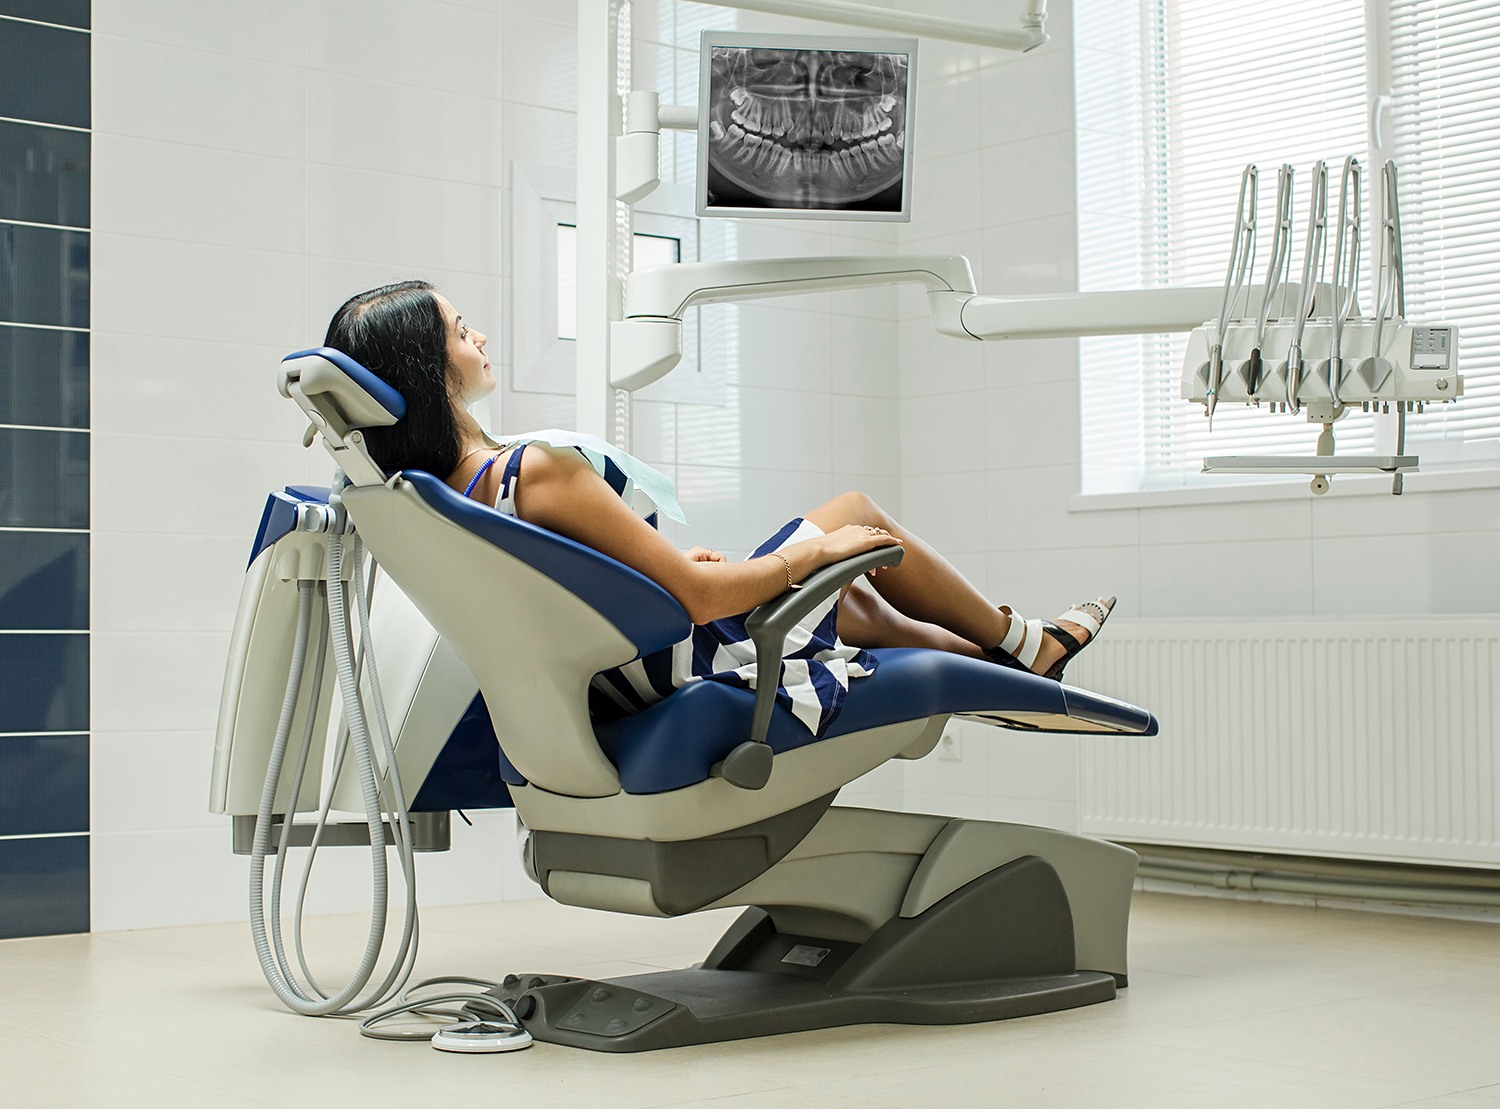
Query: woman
{"type": "Point", "coordinates": [413, 338]}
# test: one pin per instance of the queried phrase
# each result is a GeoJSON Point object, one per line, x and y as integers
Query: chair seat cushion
{"type": "Point", "coordinates": [673, 743]}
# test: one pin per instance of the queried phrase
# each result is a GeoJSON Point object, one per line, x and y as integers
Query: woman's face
{"type": "Point", "coordinates": [470, 369]}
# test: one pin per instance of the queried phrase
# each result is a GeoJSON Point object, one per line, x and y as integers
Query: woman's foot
{"type": "Point", "coordinates": [1044, 647]}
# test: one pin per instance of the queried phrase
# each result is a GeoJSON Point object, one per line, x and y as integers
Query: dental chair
{"type": "Point", "coordinates": [714, 797]}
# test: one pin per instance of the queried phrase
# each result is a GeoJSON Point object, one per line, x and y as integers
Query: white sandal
{"type": "Point", "coordinates": [1023, 640]}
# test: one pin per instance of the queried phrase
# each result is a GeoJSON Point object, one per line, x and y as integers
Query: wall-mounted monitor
{"type": "Point", "coordinates": [805, 126]}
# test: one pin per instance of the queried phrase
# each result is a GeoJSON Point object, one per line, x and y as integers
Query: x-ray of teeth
{"type": "Point", "coordinates": [795, 128]}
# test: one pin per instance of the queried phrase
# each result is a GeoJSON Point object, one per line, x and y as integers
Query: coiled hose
{"type": "Point", "coordinates": [314, 1001]}
{"type": "Point", "coordinates": [383, 808]}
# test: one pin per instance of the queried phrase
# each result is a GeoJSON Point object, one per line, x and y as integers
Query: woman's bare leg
{"type": "Point", "coordinates": [867, 620]}
{"type": "Point", "coordinates": [926, 589]}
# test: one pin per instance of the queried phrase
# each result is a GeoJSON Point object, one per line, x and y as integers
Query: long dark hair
{"type": "Point", "coordinates": [398, 333]}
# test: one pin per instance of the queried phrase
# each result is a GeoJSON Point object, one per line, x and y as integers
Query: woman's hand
{"type": "Point", "coordinates": [704, 554]}
{"type": "Point", "coordinates": [855, 539]}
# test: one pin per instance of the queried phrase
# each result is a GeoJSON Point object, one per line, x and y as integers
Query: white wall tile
{"type": "Point", "coordinates": [167, 681]}
{"type": "Point", "coordinates": [453, 226]}
{"type": "Point", "coordinates": [148, 382]}
{"type": "Point", "coordinates": [270, 30]}
{"type": "Point", "coordinates": [1247, 578]}
{"type": "Point", "coordinates": [943, 433]}
{"type": "Point", "coordinates": [1044, 583]}
{"type": "Point", "coordinates": [378, 125]}
{"type": "Point", "coordinates": [1034, 767]}
{"type": "Point", "coordinates": [784, 349]}
{"type": "Point", "coordinates": [143, 286]}
{"type": "Point", "coordinates": [147, 781]}
{"type": "Point", "coordinates": [411, 42]}
{"type": "Point", "coordinates": [149, 581]}
{"type": "Point", "coordinates": [1030, 96]}
{"type": "Point", "coordinates": [229, 479]}
{"type": "Point", "coordinates": [172, 191]}
{"type": "Point", "coordinates": [1437, 572]}
{"type": "Point", "coordinates": [863, 357]}
{"type": "Point", "coordinates": [947, 116]}
{"type": "Point", "coordinates": [864, 435]}
{"type": "Point", "coordinates": [1027, 510]}
{"type": "Point", "coordinates": [540, 64]}
{"type": "Point", "coordinates": [545, 136]}
{"type": "Point", "coordinates": [947, 510]}
{"type": "Point", "coordinates": [946, 193]}
{"type": "Point", "coordinates": [1031, 425]}
{"type": "Point", "coordinates": [1028, 179]}
{"type": "Point", "coordinates": [196, 97]}
{"type": "Point", "coordinates": [1029, 361]}
{"type": "Point", "coordinates": [653, 431]}
{"type": "Point", "coordinates": [1035, 256]}
{"type": "Point", "coordinates": [163, 877]}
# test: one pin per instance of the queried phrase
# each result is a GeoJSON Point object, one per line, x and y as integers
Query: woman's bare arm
{"type": "Point", "coordinates": [560, 491]}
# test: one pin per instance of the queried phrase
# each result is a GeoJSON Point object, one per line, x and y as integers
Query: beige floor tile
{"type": "Point", "coordinates": [1231, 1004]}
{"type": "Point", "coordinates": [40, 1072]}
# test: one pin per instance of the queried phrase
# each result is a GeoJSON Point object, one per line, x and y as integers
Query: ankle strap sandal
{"type": "Point", "coordinates": [1023, 641]}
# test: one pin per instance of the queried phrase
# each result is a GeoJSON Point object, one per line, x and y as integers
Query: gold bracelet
{"type": "Point", "coordinates": [788, 565]}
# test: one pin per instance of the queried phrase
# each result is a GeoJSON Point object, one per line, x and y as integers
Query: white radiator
{"type": "Point", "coordinates": [1357, 738]}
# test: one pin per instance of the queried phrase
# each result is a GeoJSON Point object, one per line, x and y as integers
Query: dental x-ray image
{"type": "Point", "coordinates": [792, 129]}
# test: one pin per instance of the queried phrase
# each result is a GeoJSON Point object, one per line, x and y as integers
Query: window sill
{"type": "Point", "coordinates": [1432, 481]}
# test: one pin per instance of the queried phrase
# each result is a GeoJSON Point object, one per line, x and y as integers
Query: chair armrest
{"type": "Point", "coordinates": [749, 764]}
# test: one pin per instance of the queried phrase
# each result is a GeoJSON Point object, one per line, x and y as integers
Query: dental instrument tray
{"type": "Point", "coordinates": [1291, 347]}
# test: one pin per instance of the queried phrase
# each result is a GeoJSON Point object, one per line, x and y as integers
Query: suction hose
{"type": "Point", "coordinates": [270, 950]}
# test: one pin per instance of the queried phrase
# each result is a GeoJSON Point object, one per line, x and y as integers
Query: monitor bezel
{"type": "Point", "coordinates": [881, 45]}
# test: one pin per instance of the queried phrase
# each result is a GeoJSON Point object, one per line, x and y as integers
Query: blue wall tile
{"type": "Point", "coordinates": [44, 886]}
{"type": "Point", "coordinates": [71, 13]}
{"type": "Point", "coordinates": [44, 275]}
{"type": "Point", "coordinates": [44, 377]}
{"type": "Point", "coordinates": [44, 479]}
{"type": "Point", "coordinates": [44, 580]}
{"type": "Point", "coordinates": [44, 174]}
{"type": "Point", "coordinates": [44, 784]}
{"type": "Point", "coordinates": [44, 683]}
{"type": "Point", "coordinates": [44, 74]}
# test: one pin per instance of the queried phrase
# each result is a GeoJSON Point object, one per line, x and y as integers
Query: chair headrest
{"type": "Point", "coordinates": [340, 389]}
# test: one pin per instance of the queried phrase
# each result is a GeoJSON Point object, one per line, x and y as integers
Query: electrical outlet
{"type": "Point", "coordinates": [951, 747]}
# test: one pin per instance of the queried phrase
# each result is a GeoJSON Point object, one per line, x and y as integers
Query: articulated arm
{"type": "Point", "coordinates": [648, 342]}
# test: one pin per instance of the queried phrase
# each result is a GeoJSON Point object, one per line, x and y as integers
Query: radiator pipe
{"type": "Point", "coordinates": [1235, 879]}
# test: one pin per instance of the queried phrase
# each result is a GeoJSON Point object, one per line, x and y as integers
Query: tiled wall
{"type": "Point", "coordinates": [989, 431]}
{"type": "Point", "coordinates": [256, 164]}
{"type": "Point", "coordinates": [44, 468]}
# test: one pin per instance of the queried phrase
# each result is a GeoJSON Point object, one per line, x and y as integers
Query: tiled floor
{"type": "Point", "coordinates": [1230, 1004]}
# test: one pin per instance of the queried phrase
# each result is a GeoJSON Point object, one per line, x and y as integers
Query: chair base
{"type": "Point", "coordinates": [999, 947]}
{"type": "Point", "coordinates": [712, 1006]}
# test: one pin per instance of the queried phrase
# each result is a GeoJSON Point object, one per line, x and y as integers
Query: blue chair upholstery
{"type": "Point", "coordinates": [674, 743]}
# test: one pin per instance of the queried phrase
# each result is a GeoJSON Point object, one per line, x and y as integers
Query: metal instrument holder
{"type": "Point", "coordinates": [1241, 262]}
{"type": "Point", "coordinates": [1277, 270]}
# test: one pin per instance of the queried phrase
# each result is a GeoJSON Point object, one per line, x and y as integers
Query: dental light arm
{"type": "Point", "coordinates": [647, 343]}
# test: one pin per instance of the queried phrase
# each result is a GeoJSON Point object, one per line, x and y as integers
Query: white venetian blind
{"type": "Point", "coordinates": [1171, 109]}
{"type": "Point", "coordinates": [1446, 77]}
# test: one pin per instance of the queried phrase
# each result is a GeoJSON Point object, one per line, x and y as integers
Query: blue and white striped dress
{"type": "Point", "coordinates": [815, 672]}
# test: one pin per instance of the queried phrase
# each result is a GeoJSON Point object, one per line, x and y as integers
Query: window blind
{"type": "Point", "coordinates": [1176, 101]}
{"type": "Point", "coordinates": [1445, 62]}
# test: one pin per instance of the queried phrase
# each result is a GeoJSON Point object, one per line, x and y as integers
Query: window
{"type": "Point", "coordinates": [646, 250]}
{"type": "Point", "coordinates": [1173, 103]}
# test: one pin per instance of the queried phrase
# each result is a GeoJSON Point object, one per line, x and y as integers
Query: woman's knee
{"type": "Point", "coordinates": [854, 507]}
